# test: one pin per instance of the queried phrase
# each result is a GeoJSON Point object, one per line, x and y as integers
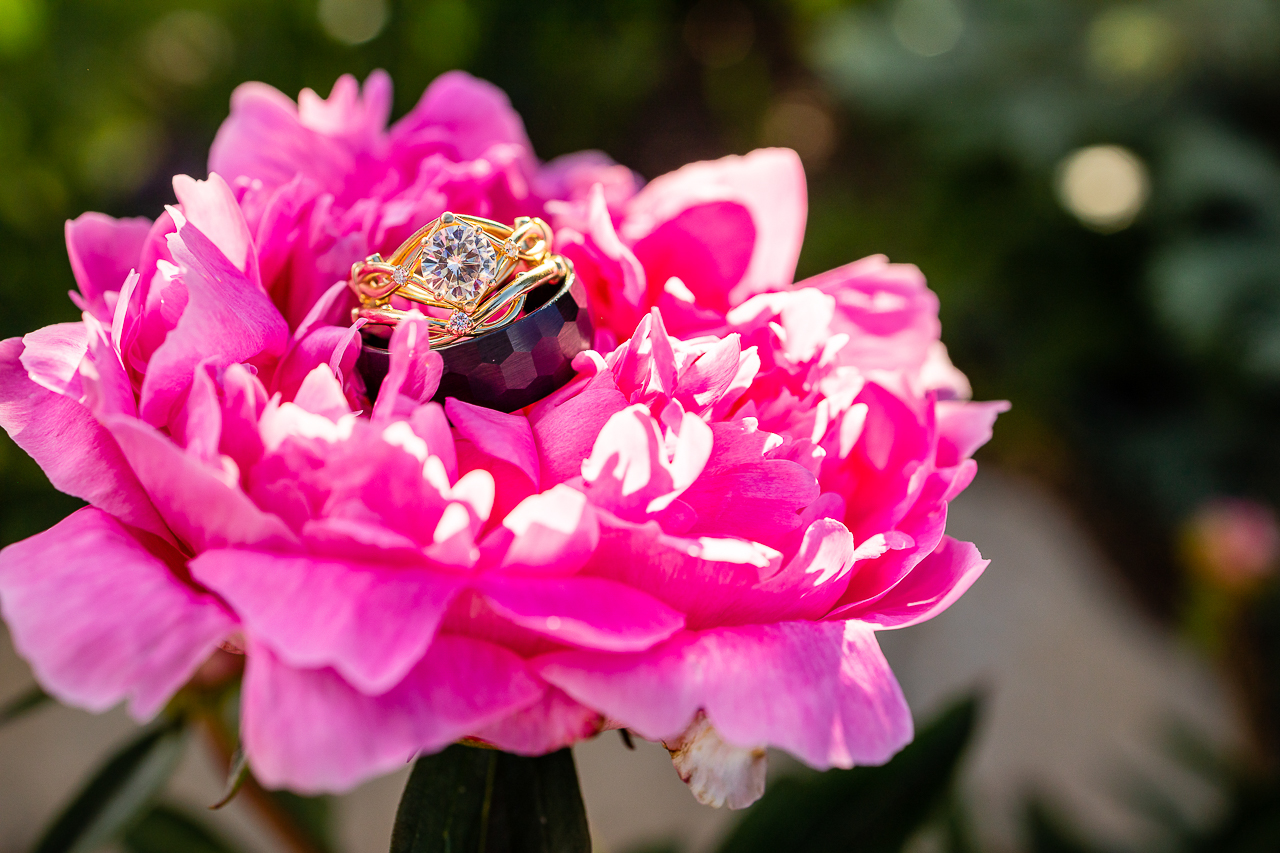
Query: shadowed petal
{"type": "Point", "coordinates": [77, 454]}
{"type": "Point", "coordinates": [820, 690]}
{"type": "Point", "coordinates": [309, 730]}
{"type": "Point", "coordinates": [371, 623]}
{"type": "Point", "coordinates": [97, 611]}
{"type": "Point", "coordinates": [583, 611]}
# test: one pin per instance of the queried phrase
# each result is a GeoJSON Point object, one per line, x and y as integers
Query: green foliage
{"type": "Point", "coordinates": [119, 794]}
{"type": "Point", "coordinates": [470, 800]}
{"type": "Point", "coordinates": [169, 830]}
{"type": "Point", "coordinates": [312, 816]}
{"type": "Point", "coordinates": [23, 704]}
{"type": "Point", "coordinates": [869, 809]}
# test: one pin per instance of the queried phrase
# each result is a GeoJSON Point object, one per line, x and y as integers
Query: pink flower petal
{"type": "Point", "coordinates": [102, 250]}
{"type": "Point", "coordinates": [707, 247]}
{"type": "Point", "coordinates": [582, 611]}
{"type": "Point", "coordinates": [550, 533]}
{"type": "Point", "coordinates": [77, 454]}
{"type": "Point", "coordinates": [228, 319]}
{"type": "Point", "coordinates": [565, 428]}
{"type": "Point", "coordinates": [462, 116]}
{"type": "Point", "coordinates": [414, 373]}
{"type": "Point", "coordinates": [930, 588]}
{"type": "Point", "coordinates": [52, 357]}
{"type": "Point", "coordinates": [963, 427]}
{"type": "Point", "coordinates": [768, 183]}
{"type": "Point", "coordinates": [728, 581]}
{"type": "Point", "coordinates": [917, 535]}
{"type": "Point", "coordinates": [264, 139]}
{"type": "Point", "coordinates": [759, 500]}
{"type": "Point", "coordinates": [309, 730]}
{"type": "Point", "coordinates": [358, 117]}
{"type": "Point", "coordinates": [212, 208]}
{"type": "Point", "coordinates": [195, 501]}
{"type": "Point", "coordinates": [618, 291]}
{"type": "Point", "coordinates": [97, 610]}
{"type": "Point", "coordinates": [820, 690]}
{"type": "Point", "coordinates": [553, 722]}
{"type": "Point", "coordinates": [370, 622]}
{"type": "Point", "coordinates": [632, 472]}
{"type": "Point", "coordinates": [502, 436]}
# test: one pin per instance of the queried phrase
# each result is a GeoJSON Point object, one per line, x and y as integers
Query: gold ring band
{"type": "Point", "coordinates": [478, 270]}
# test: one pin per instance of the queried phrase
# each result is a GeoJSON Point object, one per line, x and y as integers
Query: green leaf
{"type": "Point", "coordinates": [236, 777]}
{"type": "Point", "coordinates": [19, 706]}
{"type": "Point", "coordinates": [868, 809]}
{"type": "Point", "coordinates": [168, 830]}
{"type": "Point", "coordinates": [1049, 835]}
{"type": "Point", "coordinates": [313, 816]}
{"type": "Point", "coordinates": [470, 800]}
{"type": "Point", "coordinates": [118, 795]}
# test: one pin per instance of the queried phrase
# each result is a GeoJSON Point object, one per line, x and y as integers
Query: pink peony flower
{"type": "Point", "coordinates": [696, 539]}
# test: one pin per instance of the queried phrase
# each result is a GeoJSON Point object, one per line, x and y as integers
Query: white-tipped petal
{"type": "Point", "coordinates": [718, 774]}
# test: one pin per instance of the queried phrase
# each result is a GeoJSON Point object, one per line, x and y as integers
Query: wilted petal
{"type": "Point", "coordinates": [718, 774]}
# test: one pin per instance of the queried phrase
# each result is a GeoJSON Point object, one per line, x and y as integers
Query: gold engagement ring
{"type": "Point", "coordinates": [472, 274]}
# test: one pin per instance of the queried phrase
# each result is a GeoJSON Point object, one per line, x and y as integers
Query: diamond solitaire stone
{"type": "Point", "coordinates": [458, 263]}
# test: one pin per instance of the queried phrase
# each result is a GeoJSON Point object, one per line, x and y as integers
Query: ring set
{"type": "Point", "coordinates": [479, 271]}
{"type": "Point", "coordinates": [506, 314]}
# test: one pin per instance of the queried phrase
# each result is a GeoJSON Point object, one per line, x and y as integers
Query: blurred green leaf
{"type": "Point", "coordinates": [118, 794]}
{"type": "Point", "coordinates": [469, 800]}
{"type": "Point", "coordinates": [237, 774]}
{"type": "Point", "coordinates": [21, 705]}
{"type": "Point", "coordinates": [868, 809]}
{"type": "Point", "coordinates": [1047, 833]}
{"type": "Point", "coordinates": [168, 830]}
{"type": "Point", "coordinates": [312, 815]}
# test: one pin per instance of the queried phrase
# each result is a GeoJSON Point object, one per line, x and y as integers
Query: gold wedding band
{"type": "Point", "coordinates": [477, 270]}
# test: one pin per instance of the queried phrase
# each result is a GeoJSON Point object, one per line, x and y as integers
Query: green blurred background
{"type": "Point", "coordinates": [1092, 188]}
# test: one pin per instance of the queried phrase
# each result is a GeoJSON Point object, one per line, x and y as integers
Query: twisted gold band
{"type": "Point", "coordinates": [479, 270]}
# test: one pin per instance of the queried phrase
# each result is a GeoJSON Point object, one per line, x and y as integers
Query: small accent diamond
{"type": "Point", "coordinates": [509, 249]}
{"type": "Point", "coordinates": [458, 323]}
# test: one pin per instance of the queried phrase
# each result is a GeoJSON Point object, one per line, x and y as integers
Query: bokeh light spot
{"type": "Point", "coordinates": [1132, 44]}
{"type": "Point", "coordinates": [1104, 186]}
{"type": "Point", "coordinates": [927, 27]}
{"type": "Point", "coordinates": [719, 33]}
{"type": "Point", "coordinates": [803, 122]}
{"type": "Point", "coordinates": [353, 21]}
{"type": "Point", "coordinates": [186, 47]}
{"type": "Point", "coordinates": [21, 24]}
{"type": "Point", "coordinates": [120, 154]}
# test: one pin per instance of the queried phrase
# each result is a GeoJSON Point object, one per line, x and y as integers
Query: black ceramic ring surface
{"type": "Point", "coordinates": [511, 367]}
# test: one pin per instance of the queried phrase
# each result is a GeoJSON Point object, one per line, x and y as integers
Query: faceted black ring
{"type": "Point", "coordinates": [511, 367]}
